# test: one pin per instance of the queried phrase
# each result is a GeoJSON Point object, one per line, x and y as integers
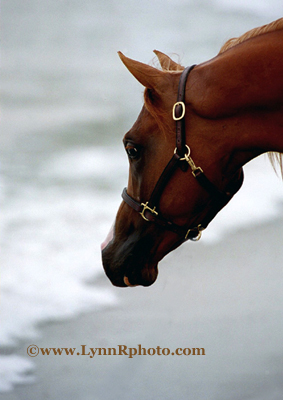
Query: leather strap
{"type": "Point", "coordinates": [182, 231]}
{"type": "Point", "coordinates": [131, 202]}
{"type": "Point", "coordinates": [168, 171]}
{"type": "Point", "coordinates": [210, 187]}
{"type": "Point", "coordinates": [180, 123]}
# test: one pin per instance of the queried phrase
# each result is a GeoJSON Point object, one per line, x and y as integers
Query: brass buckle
{"type": "Point", "coordinates": [179, 103]}
{"type": "Point", "coordinates": [145, 207]}
{"type": "Point", "coordinates": [200, 229]}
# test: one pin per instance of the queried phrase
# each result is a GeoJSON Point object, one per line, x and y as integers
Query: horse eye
{"type": "Point", "coordinates": [132, 151]}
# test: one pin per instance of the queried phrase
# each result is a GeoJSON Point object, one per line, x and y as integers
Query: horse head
{"type": "Point", "coordinates": [136, 243]}
{"type": "Point", "coordinates": [186, 157]}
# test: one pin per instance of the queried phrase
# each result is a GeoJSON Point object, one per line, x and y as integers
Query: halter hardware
{"type": "Point", "coordinates": [145, 207]}
{"type": "Point", "coordinates": [179, 103]}
{"type": "Point", "coordinates": [181, 153]}
{"type": "Point", "coordinates": [190, 161]}
{"type": "Point", "coordinates": [196, 238]}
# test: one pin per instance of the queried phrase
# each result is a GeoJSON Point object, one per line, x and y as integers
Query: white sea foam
{"type": "Point", "coordinates": [14, 370]}
{"type": "Point", "coordinates": [50, 242]}
{"type": "Point", "coordinates": [50, 250]}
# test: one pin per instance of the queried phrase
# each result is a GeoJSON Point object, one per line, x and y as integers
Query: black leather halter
{"type": "Point", "coordinates": [181, 158]}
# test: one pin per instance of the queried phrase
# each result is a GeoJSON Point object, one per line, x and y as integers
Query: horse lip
{"type": "Point", "coordinates": [127, 282]}
{"type": "Point", "coordinates": [147, 278]}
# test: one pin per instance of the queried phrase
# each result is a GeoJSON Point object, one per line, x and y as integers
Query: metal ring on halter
{"type": "Point", "coordinates": [186, 155]}
{"type": "Point", "coordinates": [195, 239]}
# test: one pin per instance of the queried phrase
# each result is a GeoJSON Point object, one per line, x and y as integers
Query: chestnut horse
{"type": "Point", "coordinates": [229, 110]}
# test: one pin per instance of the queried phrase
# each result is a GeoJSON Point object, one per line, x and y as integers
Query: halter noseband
{"type": "Point", "coordinates": [181, 158]}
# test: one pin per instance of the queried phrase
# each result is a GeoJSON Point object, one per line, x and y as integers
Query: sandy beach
{"type": "Point", "coordinates": [226, 298]}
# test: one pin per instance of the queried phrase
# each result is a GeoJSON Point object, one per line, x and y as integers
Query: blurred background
{"type": "Point", "coordinates": [67, 101]}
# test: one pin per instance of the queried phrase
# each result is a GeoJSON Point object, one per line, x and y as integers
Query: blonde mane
{"type": "Point", "coordinates": [275, 158]}
{"type": "Point", "coordinates": [273, 26]}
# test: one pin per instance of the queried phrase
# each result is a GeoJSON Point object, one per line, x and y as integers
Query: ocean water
{"type": "Point", "coordinates": [66, 102]}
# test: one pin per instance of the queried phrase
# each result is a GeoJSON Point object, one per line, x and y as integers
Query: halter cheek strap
{"type": "Point", "coordinates": [181, 158]}
{"type": "Point", "coordinates": [179, 111]}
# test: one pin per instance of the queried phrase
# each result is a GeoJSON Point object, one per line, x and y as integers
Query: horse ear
{"type": "Point", "coordinates": [148, 76]}
{"type": "Point", "coordinates": [167, 64]}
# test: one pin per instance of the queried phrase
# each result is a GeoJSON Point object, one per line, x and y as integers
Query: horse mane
{"type": "Point", "coordinates": [273, 26]}
{"type": "Point", "coordinates": [275, 158]}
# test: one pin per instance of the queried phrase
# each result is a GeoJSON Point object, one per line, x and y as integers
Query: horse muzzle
{"type": "Point", "coordinates": [129, 272]}
{"type": "Point", "coordinates": [129, 263]}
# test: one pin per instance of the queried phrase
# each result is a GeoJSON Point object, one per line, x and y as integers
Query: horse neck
{"type": "Point", "coordinates": [242, 89]}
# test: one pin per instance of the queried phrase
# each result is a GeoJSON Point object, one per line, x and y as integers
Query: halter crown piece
{"type": "Point", "coordinates": [182, 159]}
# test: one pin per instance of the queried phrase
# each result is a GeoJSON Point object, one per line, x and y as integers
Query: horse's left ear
{"type": "Point", "coordinates": [167, 64]}
{"type": "Point", "coordinates": [148, 76]}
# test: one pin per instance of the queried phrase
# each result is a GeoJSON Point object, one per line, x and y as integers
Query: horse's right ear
{"type": "Point", "coordinates": [148, 76]}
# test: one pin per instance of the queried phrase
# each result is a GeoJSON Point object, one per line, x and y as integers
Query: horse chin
{"type": "Point", "coordinates": [147, 278]}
